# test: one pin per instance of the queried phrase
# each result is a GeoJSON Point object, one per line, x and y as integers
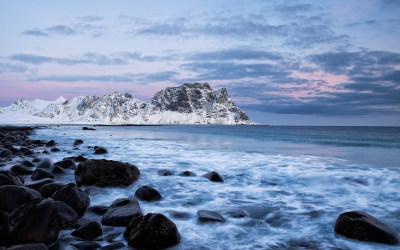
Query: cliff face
{"type": "Point", "coordinates": [194, 103]}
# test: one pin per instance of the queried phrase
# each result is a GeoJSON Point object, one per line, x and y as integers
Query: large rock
{"type": "Point", "coordinates": [3, 228]}
{"type": "Point", "coordinates": [153, 231]}
{"type": "Point", "coordinates": [21, 169]}
{"type": "Point", "coordinates": [66, 164]}
{"type": "Point", "coordinates": [362, 226]}
{"type": "Point", "coordinates": [49, 189]}
{"type": "Point", "coordinates": [121, 212]}
{"type": "Point", "coordinates": [40, 173]}
{"type": "Point", "coordinates": [73, 196]}
{"type": "Point", "coordinates": [50, 143]}
{"type": "Point", "coordinates": [100, 151]}
{"type": "Point", "coordinates": [88, 231]}
{"type": "Point", "coordinates": [14, 196]}
{"type": "Point", "coordinates": [209, 216]}
{"type": "Point", "coordinates": [39, 183]}
{"type": "Point", "coordinates": [214, 176]}
{"type": "Point", "coordinates": [34, 222]}
{"type": "Point", "coordinates": [106, 173]}
{"type": "Point", "coordinates": [66, 214]}
{"type": "Point", "coordinates": [8, 177]}
{"type": "Point", "coordinates": [147, 193]}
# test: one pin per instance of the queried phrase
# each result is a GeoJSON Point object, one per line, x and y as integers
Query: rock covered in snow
{"type": "Point", "coordinates": [194, 103]}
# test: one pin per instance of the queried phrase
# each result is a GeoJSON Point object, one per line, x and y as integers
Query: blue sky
{"type": "Point", "coordinates": [283, 62]}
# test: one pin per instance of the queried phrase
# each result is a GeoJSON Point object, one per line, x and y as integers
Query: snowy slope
{"type": "Point", "coordinates": [188, 104]}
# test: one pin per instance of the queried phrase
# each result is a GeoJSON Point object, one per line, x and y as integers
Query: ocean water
{"type": "Point", "coordinates": [292, 182]}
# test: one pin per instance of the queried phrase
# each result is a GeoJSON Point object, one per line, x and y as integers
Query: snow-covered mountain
{"type": "Point", "coordinates": [188, 104]}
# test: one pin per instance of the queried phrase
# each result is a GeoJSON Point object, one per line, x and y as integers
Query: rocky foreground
{"type": "Point", "coordinates": [38, 213]}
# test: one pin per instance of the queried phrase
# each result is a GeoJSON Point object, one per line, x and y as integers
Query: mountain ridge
{"type": "Point", "coordinates": [189, 103]}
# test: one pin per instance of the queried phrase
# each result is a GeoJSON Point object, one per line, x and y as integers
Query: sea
{"type": "Point", "coordinates": [291, 182]}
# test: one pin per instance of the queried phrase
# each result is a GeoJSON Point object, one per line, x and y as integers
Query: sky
{"type": "Point", "coordinates": [283, 62]}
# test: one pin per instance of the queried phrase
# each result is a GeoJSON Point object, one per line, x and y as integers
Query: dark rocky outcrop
{"type": "Point", "coordinates": [14, 196]}
{"type": "Point", "coordinates": [34, 222]}
{"type": "Point", "coordinates": [99, 209]}
{"type": "Point", "coordinates": [106, 173]}
{"type": "Point", "coordinates": [74, 197]}
{"type": "Point", "coordinates": [4, 153]}
{"type": "Point", "coordinates": [78, 142]}
{"type": "Point", "coordinates": [66, 214]}
{"type": "Point", "coordinates": [50, 143]}
{"type": "Point", "coordinates": [57, 170]}
{"type": "Point", "coordinates": [39, 183]}
{"type": "Point", "coordinates": [27, 163]}
{"type": "Point", "coordinates": [3, 228]}
{"type": "Point", "coordinates": [40, 173]}
{"type": "Point", "coordinates": [147, 193]}
{"type": "Point", "coordinates": [214, 176]}
{"type": "Point", "coordinates": [21, 169]}
{"type": "Point", "coordinates": [55, 150]}
{"type": "Point", "coordinates": [364, 227]}
{"type": "Point", "coordinates": [8, 177]}
{"type": "Point", "coordinates": [100, 151]}
{"type": "Point", "coordinates": [89, 231]}
{"type": "Point", "coordinates": [187, 173]}
{"type": "Point", "coordinates": [80, 158]}
{"type": "Point", "coordinates": [66, 164]}
{"type": "Point", "coordinates": [121, 212]}
{"type": "Point", "coordinates": [164, 172]}
{"type": "Point", "coordinates": [152, 231]}
{"type": "Point", "coordinates": [209, 216]}
{"type": "Point", "coordinates": [87, 128]}
{"type": "Point", "coordinates": [47, 190]}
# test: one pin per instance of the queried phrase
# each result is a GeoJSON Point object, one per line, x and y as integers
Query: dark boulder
{"type": "Point", "coordinates": [36, 160]}
{"type": "Point", "coordinates": [55, 150]}
{"type": "Point", "coordinates": [34, 222]}
{"type": "Point", "coordinates": [164, 172]}
{"type": "Point", "coordinates": [89, 231]}
{"type": "Point", "coordinates": [50, 143]}
{"type": "Point", "coordinates": [3, 228]}
{"type": "Point", "coordinates": [80, 222]}
{"type": "Point", "coordinates": [86, 245]}
{"type": "Point", "coordinates": [153, 231]}
{"type": "Point", "coordinates": [45, 152]}
{"type": "Point", "coordinates": [14, 196]}
{"type": "Point", "coordinates": [66, 164]}
{"type": "Point", "coordinates": [31, 246]}
{"type": "Point", "coordinates": [11, 148]}
{"type": "Point", "coordinates": [4, 153]}
{"type": "Point", "coordinates": [21, 169]}
{"type": "Point", "coordinates": [238, 213]}
{"type": "Point", "coordinates": [28, 152]}
{"type": "Point", "coordinates": [78, 142]}
{"type": "Point", "coordinates": [99, 209]}
{"type": "Point", "coordinates": [40, 173]}
{"type": "Point", "coordinates": [121, 212]}
{"type": "Point", "coordinates": [66, 214]}
{"type": "Point", "coordinates": [38, 184]}
{"type": "Point", "coordinates": [27, 163]}
{"type": "Point", "coordinates": [87, 128]}
{"type": "Point", "coordinates": [100, 151]}
{"type": "Point", "coordinates": [364, 227]}
{"type": "Point", "coordinates": [80, 158]}
{"type": "Point", "coordinates": [147, 193]}
{"type": "Point", "coordinates": [73, 196]}
{"type": "Point", "coordinates": [44, 163]}
{"type": "Point", "coordinates": [57, 170]}
{"type": "Point", "coordinates": [209, 216]}
{"type": "Point", "coordinates": [106, 173]}
{"type": "Point", "coordinates": [187, 173]}
{"type": "Point", "coordinates": [214, 176]}
{"type": "Point", "coordinates": [47, 190]}
{"type": "Point", "coordinates": [9, 176]}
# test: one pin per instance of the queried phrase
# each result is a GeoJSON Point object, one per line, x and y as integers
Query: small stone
{"type": "Point", "coordinates": [50, 143]}
{"type": "Point", "coordinates": [147, 193]}
{"type": "Point", "coordinates": [78, 142]}
{"type": "Point", "coordinates": [209, 216]}
{"type": "Point", "coordinates": [164, 172]}
{"type": "Point", "coordinates": [214, 176]}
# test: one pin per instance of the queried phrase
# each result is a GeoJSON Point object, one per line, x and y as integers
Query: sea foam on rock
{"type": "Point", "coordinates": [104, 173]}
